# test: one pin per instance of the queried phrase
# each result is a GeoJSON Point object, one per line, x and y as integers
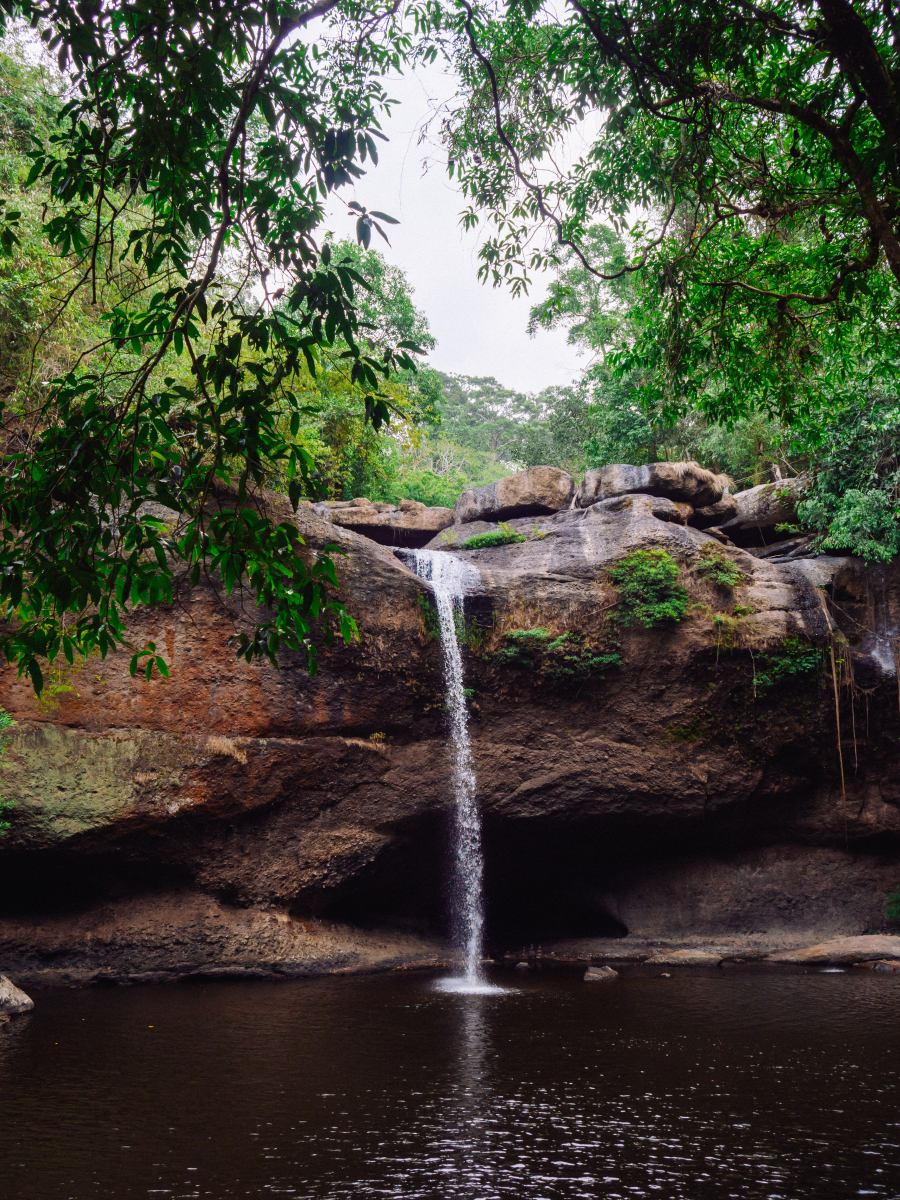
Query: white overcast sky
{"type": "Point", "coordinates": [480, 330]}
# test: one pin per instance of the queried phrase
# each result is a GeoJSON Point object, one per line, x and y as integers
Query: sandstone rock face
{"type": "Point", "coordinates": [534, 492]}
{"type": "Point", "coordinates": [634, 508]}
{"type": "Point", "coordinates": [685, 482]}
{"type": "Point", "coordinates": [409, 524]}
{"type": "Point", "coordinates": [12, 999]}
{"type": "Point", "coordinates": [233, 818]}
{"type": "Point", "coordinates": [842, 950]}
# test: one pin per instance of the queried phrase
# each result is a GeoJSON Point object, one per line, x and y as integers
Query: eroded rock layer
{"type": "Point", "coordinates": [665, 782]}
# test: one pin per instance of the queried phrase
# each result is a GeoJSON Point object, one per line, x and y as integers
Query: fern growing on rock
{"type": "Point", "coordinates": [649, 591]}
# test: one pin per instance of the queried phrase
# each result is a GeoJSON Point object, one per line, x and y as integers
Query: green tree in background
{"type": "Point", "coordinates": [180, 185]}
{"type": "Point", "coordinates": [748, 159]}
{"type": "Point", "coordinates": [607, 417]}
{"type": "Point", "coordinates": [762, 143]}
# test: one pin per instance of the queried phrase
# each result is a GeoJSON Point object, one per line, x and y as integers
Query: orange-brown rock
{"type": "Point", "coordinates": [674, 789]}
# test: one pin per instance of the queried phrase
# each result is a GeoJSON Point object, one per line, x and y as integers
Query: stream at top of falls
{"type": "Point", "coordinates": [713, 1084]}
{"type": "Point", "coordinates": [452, 580]}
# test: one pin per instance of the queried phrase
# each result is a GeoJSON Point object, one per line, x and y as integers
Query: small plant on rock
{"type": "Point", "coordinates": [649, 591]}
{"type": "Point", "coordinates": [793, 662]}
{"type": "Point", "coordinates": [430, 619]}
{"type": "Point", "coordinates": [566, 658]}
{"type": "Point", "coordinates": [692, 730]}
{"type": "Point", "coordinates": [504, 536]}
{"type": "Point", "coordinates": [892, 909]}
{"type": "Point", "coordinates": [718, 568]}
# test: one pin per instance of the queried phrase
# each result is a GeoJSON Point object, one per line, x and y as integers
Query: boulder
{"type": "Point", "coordinates": [767, 505]}
{"type": "Point", "coordinates": [13, 999]}
{"type": "Point", "coordinates": [600, 975]}
{"type": "Point", "coordinates": [531, 493]}
{"type": "Point", "coordinates": [714, 514]}
{"type": "Point", "coordinates": [686, 482]}
{"type": "Point", "coordinates": [410, 523]}
{"type": "Point", "coordinates": [685, 958]}
{"type": "Point", "coordinates": [843, 950]}
{"type": "Point", "coordinates": [620, 510]}
{"type": "Point", "coordinates": [649, 506]}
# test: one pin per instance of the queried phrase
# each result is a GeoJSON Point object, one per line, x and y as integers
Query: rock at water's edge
{"type": "Point", "coordinates": [600, 975]}
{"type": "Point", "coordinates": [531, 493]}
{"type": "Point", "coordinates": [843, 950]}
{"type": "Point", "coordinates": [13, 999]}
{"type": "Point", "coordinates": [685, 958]}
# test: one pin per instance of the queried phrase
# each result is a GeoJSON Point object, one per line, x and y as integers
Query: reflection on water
{"type": "Point", "coordinates": [706, 1086]}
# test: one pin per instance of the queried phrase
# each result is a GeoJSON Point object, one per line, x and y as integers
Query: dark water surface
{"type": "Point", "coordinates": [718, 1083]}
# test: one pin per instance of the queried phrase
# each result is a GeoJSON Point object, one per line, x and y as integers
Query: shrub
{"type": "Point", "coordinates": [795, 660]}
{"type": "Point", "coordinates": [649, 591]}
{"type": "Point", "coordinates": [892, 911]}
{"type": "Point", "coordinates": [563, 659]}
{"type": "Point", "coordinates": [504, 536]}
{"type": "Point", "coordinates": [718, 568]}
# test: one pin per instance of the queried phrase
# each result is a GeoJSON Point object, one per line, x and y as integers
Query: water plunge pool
{"type": "Point", "coordinates": [742, 1082]}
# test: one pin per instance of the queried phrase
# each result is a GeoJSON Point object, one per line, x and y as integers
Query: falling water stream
{"type": "Point", "coordinates": [451, 579]}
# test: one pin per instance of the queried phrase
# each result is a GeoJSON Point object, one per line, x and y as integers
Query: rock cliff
{"type": "Point", "coordinates": [237, 819]}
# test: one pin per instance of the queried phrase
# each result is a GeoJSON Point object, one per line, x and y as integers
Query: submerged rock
{"type": "Point", "coordinates": [843, 950]}
{"type": "Point", "coordinates": [531, 493]}
{"type": "Point", "coordinates": [686, 482]}
{"type": "Point", "coordinates": [13, 999]}
{"type": "Point", "coordinates": [600, 975]}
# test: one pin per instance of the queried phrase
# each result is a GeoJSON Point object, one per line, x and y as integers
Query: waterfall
{"type": "Point", "coordinates": [451, 579]}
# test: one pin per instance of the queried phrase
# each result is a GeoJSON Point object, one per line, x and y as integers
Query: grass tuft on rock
{"type": "Point", "coordinates": [649, 591]}
{"type": "Point", "coordinates": [719, 569]}
{"type": "Point", "coordinates": [504, 536]}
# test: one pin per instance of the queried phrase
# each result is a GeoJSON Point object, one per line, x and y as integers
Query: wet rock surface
{"type": "Point", "coordinates": [684, 958]}
{"type": "Point", "coordinates": [600, 975]}
{"type": "Point", "coordinates": [668, 796]}
{"type": "Point", "coordinates": [12, 999]}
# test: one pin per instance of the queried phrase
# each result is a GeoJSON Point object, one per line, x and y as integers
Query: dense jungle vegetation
{"type": "Point", "coordinates": [176, 328]}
